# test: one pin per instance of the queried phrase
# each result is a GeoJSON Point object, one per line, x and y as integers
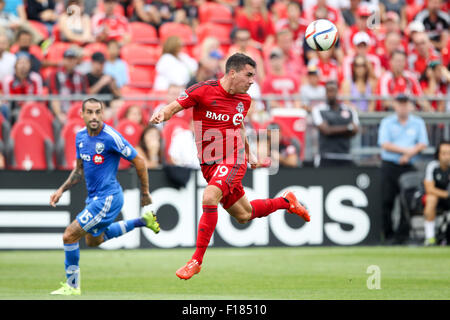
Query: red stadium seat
{"type": "Point", "coordinates": [31, 149]}
{"type": "Point", "coordinates": [56, 51]}
{"type": "Point", "coordinates": [132, 132]}
{"type": "Point", "coordinates": [39, 113]}
{"type": "Point", "coordinates": [215, 12]}
{"type": "Point", "coordinates": [67, 149]}
{"type": "Point", "coordinates": [56, 33]}
{"type": "Point", "coordinates": [39, 27]}
{"type": "Point", "coordinates": [74, 111]}
{"type": "Point", "coordinates": [142, 76]}
{"type": "Point", "coordinates": [34, 50]}
{"type": "Point", "coordinates": [90, 48]}
{"type": "Point", "coordinates": [138, 54]}
{"type": "Point", "coordinates": [143, 33]}
{"type": "Point", "coordinates": [221, 32]}
{"type": "Point", "coordinates": [177, 29]}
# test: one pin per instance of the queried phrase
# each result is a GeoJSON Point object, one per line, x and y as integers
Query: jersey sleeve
{"type": "Point", "coordinates": [121, 146]}
{"type": "Point", "coordinates": [191, 96]}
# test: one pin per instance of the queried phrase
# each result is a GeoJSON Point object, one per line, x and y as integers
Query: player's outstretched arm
{"type": "Point", "coordinates": [142, 173]}
{"type": "Point", "coordinates": [75, 176]}
{"type": "Point", "coordinates": [166, 112]}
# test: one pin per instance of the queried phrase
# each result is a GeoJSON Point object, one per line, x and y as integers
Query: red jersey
{"type": "Point", "coordinates": [285, 85]}
{"type": "Point", "coordinates": [388, 85]}
{"type": "Point", "coordinates": [218, 117]}
{"type": "Point", "coordinates": [31, 85]}
{"type": "Point", "coordinates": [116, 26]}
{"type": "Point", "coordinates": [418, 64]}
{"type": "Point", "coordinates": [329, 71]}
{"type": "Point", "coordinates": [259, 27]}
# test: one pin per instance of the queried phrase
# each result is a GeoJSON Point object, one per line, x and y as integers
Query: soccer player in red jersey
{"type": "Point", "coordinates": [219, 109]}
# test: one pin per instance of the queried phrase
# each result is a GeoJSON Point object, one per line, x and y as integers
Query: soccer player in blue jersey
{"type": "Point", "coordinates": [99, 149]}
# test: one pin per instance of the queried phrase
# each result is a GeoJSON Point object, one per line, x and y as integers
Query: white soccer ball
{"type": "Point", "coordinates": [321, 35]}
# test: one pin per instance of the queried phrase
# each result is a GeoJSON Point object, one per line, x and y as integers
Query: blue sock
{"type": "Point", "coordinates": [72, 253]}
{"type": "Point", "coordinates": [121, 227]}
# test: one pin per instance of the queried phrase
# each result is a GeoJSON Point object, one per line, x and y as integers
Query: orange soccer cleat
{"type": "Point", "coordinates": [186, 272]}
{"type": "Point", "coordinates": [295, 206]}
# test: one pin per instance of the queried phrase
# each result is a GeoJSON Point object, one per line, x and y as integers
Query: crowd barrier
{"type": "Point", "coordinates": [345, 210]}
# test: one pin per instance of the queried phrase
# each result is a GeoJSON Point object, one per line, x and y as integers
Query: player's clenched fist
{"type": "Point", "coordinates": [54, 198]}
{"type": "Point", "coordinates": [146, 199]}
{"type": "Point", "coordinates": [157, 117]}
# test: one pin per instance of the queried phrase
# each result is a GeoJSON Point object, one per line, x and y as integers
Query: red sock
{"type": "Point", "coordinates": [264, 207]}
{"type": "Point", "coordinates": [206, 228]}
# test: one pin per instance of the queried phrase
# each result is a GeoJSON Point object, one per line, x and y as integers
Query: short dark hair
{"type": "Point", "coordinates": [238, 61]}
{"type": "Point", "coordinates": [91, 100]}
{"type": "Point", "coordinates": [333, 83]}
{"type": "Point", "coordinates": [438, 148]}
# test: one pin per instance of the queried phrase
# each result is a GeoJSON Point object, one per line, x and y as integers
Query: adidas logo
{"type": "Point", "coordinates": [219, 182]}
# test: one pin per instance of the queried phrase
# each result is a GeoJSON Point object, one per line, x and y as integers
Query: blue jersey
{"type": "Point", "coordinates": [101, 155]}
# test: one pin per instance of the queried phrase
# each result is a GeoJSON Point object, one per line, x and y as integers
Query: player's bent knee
{"type": "Point", "coordinates": [210, 199]}
{"type": "Point", "coordinates": [69, 237]}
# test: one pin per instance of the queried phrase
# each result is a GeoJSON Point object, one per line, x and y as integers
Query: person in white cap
{"type": "Point", "coordinates": [362, 43]}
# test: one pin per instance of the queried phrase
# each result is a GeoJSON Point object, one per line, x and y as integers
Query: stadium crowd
{"type": "Point", "coordinates": [157, 48]}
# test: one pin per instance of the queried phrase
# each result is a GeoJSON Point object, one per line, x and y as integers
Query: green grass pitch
{"type": "Point", "coordinates": [234, 273]}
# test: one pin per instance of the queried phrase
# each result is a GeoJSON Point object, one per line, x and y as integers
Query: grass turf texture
{"type": "Point", "coordinates": [234, 274]}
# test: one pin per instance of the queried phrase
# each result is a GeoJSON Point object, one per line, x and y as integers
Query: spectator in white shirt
{"type": "Point", "coordinates": [7, 59]}
{"type": "Point", "coordinates": [174, 66]}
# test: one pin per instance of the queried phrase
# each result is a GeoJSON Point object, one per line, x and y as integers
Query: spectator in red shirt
{"type": "Point", "coordinates": [293, 54]}
{"type": "Point", "coordinates": [363, 15]}
{"type": "Point", "coordinates": [279, 82]}
{"type": "Point", "coordinates": [400, 80]}
{"type": "Point", "coordinates": [361, 41]}
{"type": "Point", "coordinates": [66, 81]}
{"type": "Point", "coordinates": [255, 17]}
{"type": "Point", "coordinates": [294, 21]}
{"type": "Point", "coordinates": [327, 66]}
{"type": "Point", "coordinates": [109, 26]}
{"type": "Point", "coordinates": [332, 14]}
{"type": "Point", "coordinates": [391, 43]}
{"type": "Point", "coordinates": [422, 54]}
{"type": "Point", "coordinates": [434, 82]}
{"type": "Point", "coordinates": [23, 82]}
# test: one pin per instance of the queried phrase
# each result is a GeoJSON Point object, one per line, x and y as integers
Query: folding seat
{"type": "Point", "coordinates": [143, 33]}
{"type": "Point", "coordinates": [209, 29]}
{"type": "Point", "coordinates": [39, 27]}
{"type": "Point", "coordinates": [184, 31]}
{"type": "Point", "coordinates": [74, 110]}
{"type": "Point", "coordinates": [39, 112]}
{"type": "Point", "coordinates": [132, 132]}
{"type": "Point", "coordinates": [215, 12]}
{"type": "Point", "coordinates": [90, 48]}
{"type": "Point", "coordinates": [29, 147]}
{"type": "Point", "coordinates": [142, 76]}
{"type": "Point", "coordinates": [55, 52]}
{"type": "Point", "coordinates": [65, 150]}
{"type": "Point", "coordinates": [139, 54]}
